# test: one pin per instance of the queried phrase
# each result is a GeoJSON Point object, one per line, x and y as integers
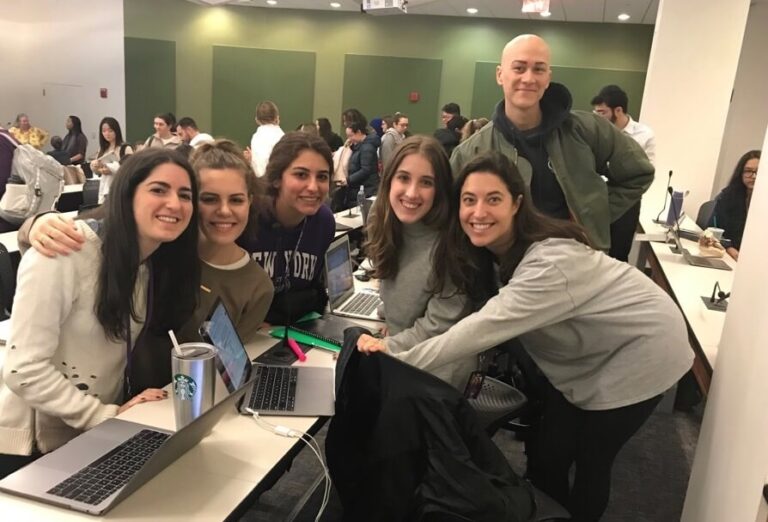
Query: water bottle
{"type": "Point", "coordinates": [361, 199]}
{"type": "Point", "coordinates": [675, 208]}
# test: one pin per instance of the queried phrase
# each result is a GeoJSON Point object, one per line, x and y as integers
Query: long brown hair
{"type": "Point", "coordinates": [385, 231]}
{"type": "Point", "coordinates": [469, 267]}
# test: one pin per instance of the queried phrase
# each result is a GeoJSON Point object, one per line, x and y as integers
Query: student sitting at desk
{"type": "Point", "coordinates": [607, 338]}
{"type": "Point", "coordinates": [412, 207]}
{"type": "Point", "coordinates": [732, 204]}
{"type": "Point", "coordinates": [68, 360]}
{"type": "Point", "coordinates": [295, 227]}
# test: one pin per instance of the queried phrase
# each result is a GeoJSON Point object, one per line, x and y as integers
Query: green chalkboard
{"type": "Point", "coordinates": [243, 77]}
{"type": "Point", "coordinates": [380, 85]}
{"type": "Point", "coordinates": [150, 84]}
{"type": "Point", "coordinates": [584, 84]}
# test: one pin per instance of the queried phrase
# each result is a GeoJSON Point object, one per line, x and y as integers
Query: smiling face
{"type": "Point", "coordinates": [162, 206]}
{"type": "Point", "coordinates": [524, 73]}
{"type": "Point", "coordinates": [303, 186]}
{"type": "Point", "coordinates": [162, 129]}
{"type": "Point", "coordinates": [24, 123]}
{"type": "Point", "coordinates": [487, 212]}
{"type": "Point", "coordinates": [749, 173]}
{"type": "Point", "coordinates": [224, 205]}
{"type": "Point", "coordinates": [412, 191]}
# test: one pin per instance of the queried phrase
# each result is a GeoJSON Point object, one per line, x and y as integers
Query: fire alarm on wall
{"type": "Point", "coordinates": [103, 92]}
{"type": "Point", "coordinates": [414, 96]}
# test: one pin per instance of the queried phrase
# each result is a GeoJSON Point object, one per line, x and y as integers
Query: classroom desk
{"type": "Point", "coordinates": [216, 480]}
{"type": "Point", "coordinates": [686, 284]}
{"type": "Point", "coordinates": [355, 220]}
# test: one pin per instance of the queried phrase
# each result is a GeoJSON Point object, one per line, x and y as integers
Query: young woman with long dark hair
{"type": "Point", "coordinates": [112, 150]}
{"type": "Point", "coordinates": [75, 142]}
{"type": "Point", "coordinates": [609, 341]}
{"type": "Point", "coordinates": [69, 362]}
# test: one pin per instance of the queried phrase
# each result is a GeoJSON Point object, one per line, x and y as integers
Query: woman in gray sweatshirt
{"type": "Point", "coordinates": [410, 210]}
{"type": "Point", "coordinates": [608, 339]}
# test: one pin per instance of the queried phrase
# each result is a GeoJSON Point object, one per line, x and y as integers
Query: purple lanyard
{"type": "Point", "coordinates": [127, 392]}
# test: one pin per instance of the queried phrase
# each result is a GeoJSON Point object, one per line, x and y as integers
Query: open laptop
{"type": "Point", "coordinates": [276, 389]}
{"type": "Point", "coordinates": [706, 262]}
{"type": "Point", "coordinates": [95, 471]}
{"type": "Point", "coordinates": [343, 299]}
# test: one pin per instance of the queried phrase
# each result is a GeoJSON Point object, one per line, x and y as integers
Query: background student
{"type": "Point", "coordinates": [607, 338]}
{"type": "Point", "coordinates": [164, 136]}
{"type": "Point", "coordinates": [65, 367]}
{"type": "Point", "coordinates": [112, 150]}
{"type": "Point", "coordinates": [75, 142]}
{"type": "Point", "coordinates": [412, 207]}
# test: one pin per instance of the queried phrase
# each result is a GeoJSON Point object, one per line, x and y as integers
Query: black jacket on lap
{"type": "Point", "coordinates": [404, 445]}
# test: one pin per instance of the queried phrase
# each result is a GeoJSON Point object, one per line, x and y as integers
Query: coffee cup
{"type": "Point", "coordinates": [717, 233]}
{"type": "Point", "coordinates": [193, 379]}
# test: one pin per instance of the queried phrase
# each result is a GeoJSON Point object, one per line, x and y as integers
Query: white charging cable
{"type": "Point", "coordinates": [308, 439]}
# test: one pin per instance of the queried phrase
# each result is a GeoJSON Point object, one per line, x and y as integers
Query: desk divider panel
{"type": "Point", "coordinates": [150, 84]}
{"type": "Point", "coordinates": [584, 83]}
{"type": "Point", "coordinates": [243, 77]}
{"type": "Point", "coordinates": [380, 85]}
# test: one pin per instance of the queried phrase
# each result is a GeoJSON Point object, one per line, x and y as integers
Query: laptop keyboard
{"type": "Point", "coordinates": [362, 304]}
{"type": "Point", "coordinates": [104, 476]}
{"type": "Point", "coordinates": [274, 389]}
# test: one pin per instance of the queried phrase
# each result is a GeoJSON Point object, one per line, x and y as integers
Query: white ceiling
{"type": "Point", "coordinates": [640, 11]}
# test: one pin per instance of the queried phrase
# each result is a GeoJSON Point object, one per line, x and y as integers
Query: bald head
{"type": "Point", "coordinates": [524, 76]}
{"type": "Point", "coordinates": [526, 44]}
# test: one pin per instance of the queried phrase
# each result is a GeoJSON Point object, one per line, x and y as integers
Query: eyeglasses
{"type": "Point", "coordinates": [750, 173]}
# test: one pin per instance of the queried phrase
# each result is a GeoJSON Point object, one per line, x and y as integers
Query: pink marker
{"type": "Point", "coordinates": [295, 347]}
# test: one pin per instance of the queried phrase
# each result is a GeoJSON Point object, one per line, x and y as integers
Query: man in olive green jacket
{"type": "Point", "coordinates": [578, 166]}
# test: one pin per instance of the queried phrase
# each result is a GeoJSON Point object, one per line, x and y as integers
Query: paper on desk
{"type": "Point", "coordinates": [660, 237]}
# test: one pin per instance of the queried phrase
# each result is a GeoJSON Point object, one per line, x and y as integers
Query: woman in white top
{"type": "Point", "coordinates": [265, 137]}
{"type": "Point", "coordinates": [607, 338]}
{"type": "Point", "coordinates": [112, 150]}
{"type": "Point", "coordinates": [76, 319]}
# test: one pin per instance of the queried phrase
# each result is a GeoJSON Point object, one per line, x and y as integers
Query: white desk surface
{"type": "Point", "coordinates": [355, 221]}
{"type": "Point", "coordinates": [688, 283]}
{"type": "Point", "coordinates": [10, 239]}
{"type": "Point", "coordinates": [75, 187]}
{"type": "Point", "coordinates": [209, 481]}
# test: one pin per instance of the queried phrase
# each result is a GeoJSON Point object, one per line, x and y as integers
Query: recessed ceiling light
{"type": "Point", "coordinates": [272, 2]}
{"type": "Point", "coordinates": [335, 5]}
{"type": "Point", "coordinates": [545, 14]}
{"type": "Point", "coordinates": [472, 10]}
{"type": "Point", "coordinates": [623, 17]}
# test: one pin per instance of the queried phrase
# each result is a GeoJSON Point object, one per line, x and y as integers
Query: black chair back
{"type": "Point", "coordinates": [7, 283]}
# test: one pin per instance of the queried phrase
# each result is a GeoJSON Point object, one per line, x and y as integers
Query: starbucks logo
{"type": "Point", "coordinates": [184, 386]}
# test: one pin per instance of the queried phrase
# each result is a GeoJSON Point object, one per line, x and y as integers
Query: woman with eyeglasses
{"type": "Point", "coordinates": [732, 204]}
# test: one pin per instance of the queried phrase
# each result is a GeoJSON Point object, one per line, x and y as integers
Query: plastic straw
{"type": "Point", "coordinates": [175, 342]}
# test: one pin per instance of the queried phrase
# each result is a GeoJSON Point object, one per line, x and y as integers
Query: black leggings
{"type": "Point", "coordinates": [589, 439]}
{"type": "Point", "coordinates": [11, 463]}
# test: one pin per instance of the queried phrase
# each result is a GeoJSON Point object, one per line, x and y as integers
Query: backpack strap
{"type": "Point", "coordinates": [123, 148]}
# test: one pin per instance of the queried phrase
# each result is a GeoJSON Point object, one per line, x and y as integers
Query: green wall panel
{"type": "Point", "coordinates": [380, 85]}
{"type": "Point", "coordinates": [584, 83]}
{"type": "Point", "coordinates": [242, 77]}
{"type": "Point", "coordinates": [150, 84]}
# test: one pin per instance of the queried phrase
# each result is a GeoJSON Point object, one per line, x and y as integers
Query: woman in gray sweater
{"type": "Point", "coordinates": [608, 339]}
{"type": "Point", "coordinates": [412, 207]}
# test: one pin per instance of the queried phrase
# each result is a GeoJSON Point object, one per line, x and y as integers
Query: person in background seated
{"type": "Point", "coordinates": [607, 338]}
{"type": "Point", "coordinates": [267, 134]}
{"type": "Point", "coordinates": [295, 228]}
{"type": "Point", "coordinates": [732, 204]}
{"type": "Point", "coordinates": [58, 153]}
{"type": "Point", "coordinates": [164, 137]}
{"type": "Point", "coordinates": [325, 130]}
{"type": "Point", "coordinates": [65, 367]}
{"type": "Point", "coordinates": [26, 134]}
{"type": "Point", "coordinates": [75, 143]}
{"type": "Point", "coordinates": [406, 219]}
{"type": "Point", "coordinates": [112, 150]}
{"type": "Point", "coordinates": [363, 168]}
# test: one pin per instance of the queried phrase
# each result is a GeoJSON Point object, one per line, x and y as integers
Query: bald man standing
{"type": "Point", "coordinates": [562, 154]}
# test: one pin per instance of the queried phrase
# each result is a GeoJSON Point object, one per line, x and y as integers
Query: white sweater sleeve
{"type": "Point", "coordinates": [46, 291]}
{"type": "Point", "coordinates": [535, 297]}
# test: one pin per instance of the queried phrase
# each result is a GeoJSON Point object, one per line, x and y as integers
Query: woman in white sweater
{"type": "Point", "coordinates": [77, 318]}
{"type": "Point", "coordinates": [608, 339]}
{"type": "Point", "coordinates": [412, 207]}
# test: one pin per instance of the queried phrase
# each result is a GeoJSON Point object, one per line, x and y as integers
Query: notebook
{"type": "Point", "coordinates": [343, 299]}
{"type": "Point", "coordinates": [97, 470]}
{"type": "Point", "coordinates": [276, 389]}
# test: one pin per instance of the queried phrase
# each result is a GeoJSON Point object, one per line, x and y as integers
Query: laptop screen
{"type": "Point", "coordinates": [339, 271]}
{"type": "Point", "coordinates": [231, 358]}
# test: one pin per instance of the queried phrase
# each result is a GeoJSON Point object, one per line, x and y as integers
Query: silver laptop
{"type": "Point", "coordinates": [343, 299]}
{"type": "Point", "coordinates": [276, 390]}
{"type": "Point", "coordinates": [98, 469]}
{"type": "Point", "coordinates": [706, 262]}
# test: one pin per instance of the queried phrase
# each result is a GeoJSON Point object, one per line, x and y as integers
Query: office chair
{"type": "Point", "coordinates": [705, 213]}
{"type": "Point", "coordinates": [7, 283]}
{"type": "Point", "coordinates": [90, 194]}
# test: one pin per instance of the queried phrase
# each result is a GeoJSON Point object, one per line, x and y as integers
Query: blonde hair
{"type": "Point", "coordinates": [266, 112]}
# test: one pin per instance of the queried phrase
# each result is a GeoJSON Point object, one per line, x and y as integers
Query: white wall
{"type": "Point", "coordinates": [45, 49]}
{"type": "Point", "coordinates": [731, 462]}
{"type": "Point", "coordinates": [748, 114]}
{"type": "Point", "coordinates": [691, 70]}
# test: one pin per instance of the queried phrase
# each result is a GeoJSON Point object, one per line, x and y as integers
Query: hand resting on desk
{"type": "Point", "coordinates": [150, 394]}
